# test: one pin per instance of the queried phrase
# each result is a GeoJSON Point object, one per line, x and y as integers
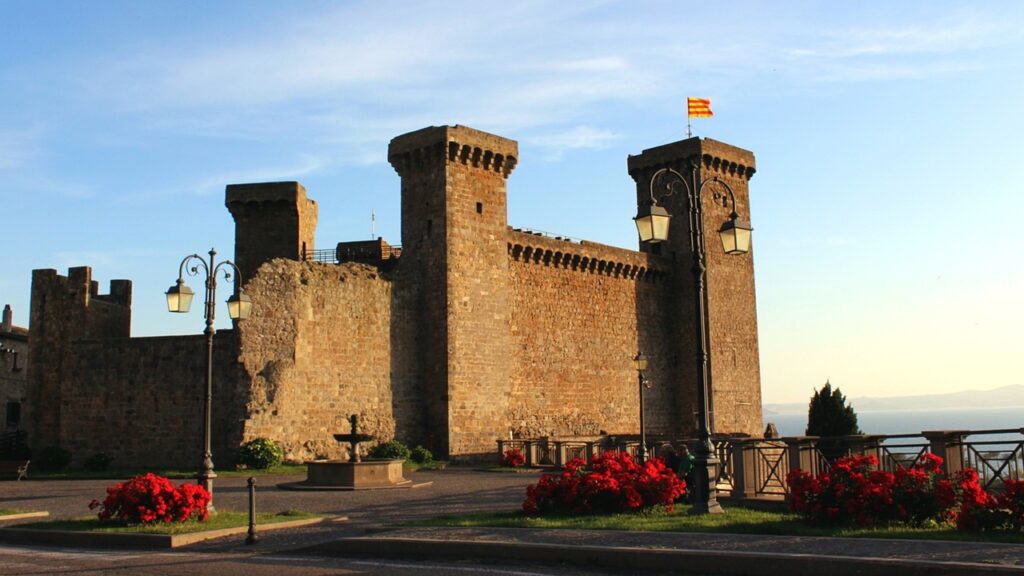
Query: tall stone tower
{"type": "Point", "coordinates": [734, 370]}
{"type": "Point", "coordinates": [454, 241]}
{"type": "Point", "coordinates": [272, 220]}
{"type": "Point", "coordinates": [65, 310]}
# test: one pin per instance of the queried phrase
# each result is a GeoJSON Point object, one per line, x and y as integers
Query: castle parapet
{"type": "Point", "coordinates": [272, 220]}
{"type": "Point", "coordinates": [454, 144]}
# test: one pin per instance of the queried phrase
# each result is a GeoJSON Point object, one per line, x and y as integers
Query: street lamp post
{"type": "Point", "coordinates": [640, 361]}
{"type": "Point", "coordinates": [179, 299]}
{"type": "Point", "coordinates": [652, 222]}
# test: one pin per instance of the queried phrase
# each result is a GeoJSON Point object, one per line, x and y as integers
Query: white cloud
{"type": "Point", "coordinates": [214, 183]}
{"type": "Point", "coordinates": [942, 45]}
{"type": "Point", "coordinates": [555, 143]}
{"type": "Point", "coordinates": [364, 72]}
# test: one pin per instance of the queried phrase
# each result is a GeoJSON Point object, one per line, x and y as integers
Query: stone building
{"type": "Point", "coordinates": [470, 331]}
{"type": "Point", "coordinates": [13, 358]}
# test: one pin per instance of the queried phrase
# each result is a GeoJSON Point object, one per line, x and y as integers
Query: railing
{"type": "Point", "coordinates": [369, 253]}
{"type": "Point", "coordinates": [327, 256]}
{"type": "Point", "coordinates": [995, 460]}
{"type": "Point", "coordinates": [757, 468]}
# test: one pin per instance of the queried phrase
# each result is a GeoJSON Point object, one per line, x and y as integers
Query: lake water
{"type": "Point", "coordinates": [913, 421]}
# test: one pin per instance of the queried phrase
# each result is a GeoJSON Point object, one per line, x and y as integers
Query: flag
{"type": "Point", "coordinates": [699, 108]}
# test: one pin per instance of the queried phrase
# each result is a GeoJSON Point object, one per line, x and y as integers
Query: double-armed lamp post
{"type": "Point", "coordinates": [179, 299]}
{"type": "Point", "coordinates": [652, 223]}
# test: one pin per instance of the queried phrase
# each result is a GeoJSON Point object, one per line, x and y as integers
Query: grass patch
{"type": "Point", "coordinates": [411, 466]}
{"type": "Point", "coordinates": [9, 511]}
{"type": "Point", "coordinates": [736, 520]}
{"type": "Point", "coordinates": [223, 519]}
{"type": "Point", "coordinates": [511, 470]}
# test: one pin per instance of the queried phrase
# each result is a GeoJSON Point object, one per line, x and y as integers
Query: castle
{"type": "Point", "coordinates": [470, 332]}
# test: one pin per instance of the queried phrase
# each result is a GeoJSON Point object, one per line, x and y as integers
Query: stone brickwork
{"type": "Point", "coordinates": [466, 333]}
{"type": "Point", "coordinates": [272, 220]}
{"type": "Point", "coordinates": [734, 362]}
{"type": "Point", "coordinates": [580, 313]}
{"type": "Point", "coordinates": [139, 400]}
{"type": "Point", "coordinates": [317, 349]}
{"type": "Point", "coordinates": [453, 230]}
{"type": "Point", "coordinates": [65, 310]}
{"type": "Point", "coordinates": [13, 359]}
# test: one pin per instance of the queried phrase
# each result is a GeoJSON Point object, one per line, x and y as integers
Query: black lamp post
{"type": "Point", "coordinates": [640, 362]}
{"type": "Point", "coordinates": [179, 299]}
{"type": "Point", "coordinates": [652, 222]}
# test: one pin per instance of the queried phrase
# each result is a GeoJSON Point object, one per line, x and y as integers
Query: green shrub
{"type": "Point", "coordinates": [260, 454]}
{"type": "Point", "coordinates": [98, 462]}
{"type": "Point", "coordinates": [392, 450]}
{"type": "Point", "coordinates": [52, 459]}
{"type": "Point", "coordinates": [421, 455]}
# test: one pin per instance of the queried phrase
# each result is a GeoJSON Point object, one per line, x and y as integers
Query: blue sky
{"type": "Point", "coordinates": [886, 204]}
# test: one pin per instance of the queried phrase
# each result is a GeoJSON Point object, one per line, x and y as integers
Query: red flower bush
{"type": "Point", "coordinates": [513, 458]}
{"type": "Point", "coordinates": [150, 498]}
{"type": "Point", "coordinates": [614, 483]}
{"type": "Point", "coordinates": [853, 491]}
{"type": "Point", "coordinates": [922, 492]}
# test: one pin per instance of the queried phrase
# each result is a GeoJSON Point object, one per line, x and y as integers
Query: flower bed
{"type": "Point", "coordinates": [150, 498]}
{"type": "Point", "coordinates": [613, 483]}
{"type": "Point", "coordinates": [854, 491]}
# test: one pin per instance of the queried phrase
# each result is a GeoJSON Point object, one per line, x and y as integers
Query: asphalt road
{"type": "Point", "coordinates": [28, 561]}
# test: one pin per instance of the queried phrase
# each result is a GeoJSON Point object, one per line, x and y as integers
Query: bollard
{"type": "Point", "coordinates": [251, 538]}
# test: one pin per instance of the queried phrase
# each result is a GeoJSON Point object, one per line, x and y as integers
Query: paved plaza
{"type": "Point", "coordinates": [368, 529]}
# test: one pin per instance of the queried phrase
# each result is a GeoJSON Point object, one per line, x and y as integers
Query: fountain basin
{"type": "Point", "coordinates": [370, 474]}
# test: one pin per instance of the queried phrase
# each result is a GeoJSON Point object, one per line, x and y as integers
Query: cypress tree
{"type": "Point", "coordinates": [829, 415]}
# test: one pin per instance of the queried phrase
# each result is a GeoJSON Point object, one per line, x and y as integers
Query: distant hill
{"type": "Point", "coordinates": [1005, 397]}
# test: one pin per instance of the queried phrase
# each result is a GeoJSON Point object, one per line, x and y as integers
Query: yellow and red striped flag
{"type": "Point", "coordinates": [699, 108]}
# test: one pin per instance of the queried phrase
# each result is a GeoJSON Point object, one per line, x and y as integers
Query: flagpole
{"type": "Point", "coordinates": [689, 131]}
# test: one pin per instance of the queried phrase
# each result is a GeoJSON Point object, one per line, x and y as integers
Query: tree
{"type": "Point", "coordinates": [829, 415]}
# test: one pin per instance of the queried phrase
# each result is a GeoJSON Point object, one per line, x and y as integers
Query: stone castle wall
{"type": "Point", "coordinates": [139, 400]}
{"type": "Point", "coordinates": [580, 313]}
{"type": "Point", "coordinates": [318, 348]}
{"type": "Point", "coordinates": [476, 329]}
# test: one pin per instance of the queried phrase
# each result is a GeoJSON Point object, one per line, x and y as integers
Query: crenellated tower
{"type": "Point", "coordinates": [454, 230]}
{"type": "Point", "coordinates": [734, 369]}
{"type": "Point", "coordinates": [66, 309]}
{"type": "Point", "coordinates": [272, 220]}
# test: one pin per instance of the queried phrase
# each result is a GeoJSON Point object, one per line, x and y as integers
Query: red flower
{"type": "Point", "coordinates": [150, 498]}
{"type": "Point", "coordinates": [513, 458]}
{"type": "Point", "coordinates": [614, 483]}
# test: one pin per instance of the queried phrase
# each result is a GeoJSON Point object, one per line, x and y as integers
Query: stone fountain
{"type": "Point", "coordinates": [355, 473]}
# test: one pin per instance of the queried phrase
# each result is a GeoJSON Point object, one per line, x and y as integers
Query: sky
{"type": "Point", "coordinates": [886, 204]}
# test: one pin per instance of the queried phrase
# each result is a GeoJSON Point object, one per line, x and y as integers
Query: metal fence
{"type": "Point", "coordinates": [757, 468]}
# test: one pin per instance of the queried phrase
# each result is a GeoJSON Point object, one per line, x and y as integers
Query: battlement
{"type": "Point", "coordinates": [584, 256]}
{"type": "Point", "coordinates": [272, 220]}
{"type": "Point", "coordinates": [717, 156]}
{"type": "Point", "coordinates": [455, 144]}
{"type": "Point", "coordinates": [79, 285]}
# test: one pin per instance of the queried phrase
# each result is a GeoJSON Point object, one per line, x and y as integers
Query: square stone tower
{"type": "Point", "coordinates": [454, 240]}
{"type": "Point", "coordinates": [733, 363]}
{"type": "Point", "coordinates": [272, 220]}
